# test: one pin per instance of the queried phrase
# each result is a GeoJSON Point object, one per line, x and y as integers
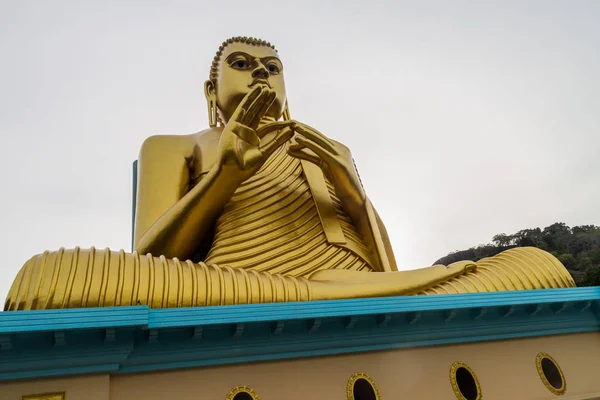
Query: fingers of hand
{"type": "Point", "coordinates": [316, 147]}
{"type": "Point", "coordinates": [314, 135]}
{"type": "Point", "coordinates": [264, 107]}
{"type": "Point", "coordinates": [296, 146]}
{"type": "Point", "coordinates": [244, 105]}
{"type": "Point", "coordinates": [245, 133]}
{"type": "Point", "coordinates": [255, 111]}
{"type": "Point", "coordinates": [251, 109]}
{"type": "Point", "coordinates": [280, 138]}
{"type": "Point", "coordinates": [273, 126]}
{"type": "Point", "coordinates": [304, 154]}
{"type": "Point", "coordinates": [470, 268]}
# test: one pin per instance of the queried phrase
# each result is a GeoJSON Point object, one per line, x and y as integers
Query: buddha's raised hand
{"type": "Point", "coordinates": [241, 152]}
{"type": "Point", "coordinates": [334, 159]}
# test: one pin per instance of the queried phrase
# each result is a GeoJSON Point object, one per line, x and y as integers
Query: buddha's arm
{"type": "Point", "coordinates": [171, 220]}
{"type": "Point", "coordinates": [373, 231]}
{"type": "Point", "coordinates": [183, 218]}
{"type": "Point", "coordinates": [381, 240]}
{"type": "Point", "coordinates": [336, 161]}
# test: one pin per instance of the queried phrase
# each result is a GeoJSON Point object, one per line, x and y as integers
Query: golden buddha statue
{"type": "Point", "coordinates": [262, 208]}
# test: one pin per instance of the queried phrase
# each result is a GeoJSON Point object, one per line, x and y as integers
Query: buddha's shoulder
{"type": "Point", "coordinates": [181, 144]}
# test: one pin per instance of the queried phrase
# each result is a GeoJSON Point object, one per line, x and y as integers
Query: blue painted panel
{"type": "Point", "coordinates": [91, 369]}
{"type": "Point", "coordinates": [77, 318]}
{"type": "Point", "coordinates": [323, 309]}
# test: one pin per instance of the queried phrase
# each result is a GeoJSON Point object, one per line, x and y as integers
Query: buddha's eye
{"type": "Point", "coordinates": [239, 64]}
{"type": "Point", "coordinates": [273, 68]}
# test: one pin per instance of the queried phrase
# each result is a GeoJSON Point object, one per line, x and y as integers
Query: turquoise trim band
{"type": "Point", "coordinates": [112, 340]}
{"type": "Point", "coordinates": [71, 319]}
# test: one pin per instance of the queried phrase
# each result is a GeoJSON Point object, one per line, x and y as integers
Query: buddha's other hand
{"type": "Point", "coordinates": [334, 159]}
{"type": "Point", "coordinates": [241, 152]}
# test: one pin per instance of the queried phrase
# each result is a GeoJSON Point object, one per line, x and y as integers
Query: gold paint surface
{"type": "Point", "coordinates": [101, 278]}
{"type": "Point", "coordinates": [262, 209]}
{"type": "Point", "coordinates": [272, 224]}
{"type": "Point", "coordinates": [522, 268]}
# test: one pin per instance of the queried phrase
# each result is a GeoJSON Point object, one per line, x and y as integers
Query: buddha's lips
{"type": "Point", "coordinates": [260, 81]}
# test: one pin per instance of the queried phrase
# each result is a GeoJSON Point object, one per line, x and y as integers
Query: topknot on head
{"type": "Point", "coordinates": [236, 39]}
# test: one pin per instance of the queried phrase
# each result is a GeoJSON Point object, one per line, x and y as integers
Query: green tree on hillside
{"type": "Point", "coordinates": [578, 248]}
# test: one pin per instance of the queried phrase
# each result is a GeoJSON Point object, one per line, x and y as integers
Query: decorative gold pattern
{"type": "Point", "coordinates": [356, 376]}
{"type": "Point", "coordinates": [45, 396]}
{"type": "Point", "coordinates": [242, 389]}
{"type": "Point", "coordinates": [538, 363]}
{"type": "Point", "coordinates": [455, 366]}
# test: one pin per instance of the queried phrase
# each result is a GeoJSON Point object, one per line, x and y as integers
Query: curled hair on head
{"type": "Point", "coordinates": [237, 39]}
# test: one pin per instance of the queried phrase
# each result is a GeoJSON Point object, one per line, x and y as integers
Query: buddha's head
{"type": "Point", "coordinates": [239, 66]}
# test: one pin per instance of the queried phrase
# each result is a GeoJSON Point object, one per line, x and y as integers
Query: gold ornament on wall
{"type": "Point", "coordinates": [460, 388]}
{"type": "Point", "coordinates": [357, 377]}
{"type": "Point", "coordinates": [242, 389]}
{"type": "Point", "coordinates": [551, 374]}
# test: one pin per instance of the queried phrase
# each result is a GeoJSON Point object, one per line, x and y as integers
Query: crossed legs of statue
{"type": "Point", "coordinates": [98, 278]}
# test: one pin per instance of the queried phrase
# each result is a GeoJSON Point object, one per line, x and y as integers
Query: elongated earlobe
{"type": "Point", "coordinates": [212, 114]}
{"type": "Point", "coordinates": [286, 112]}
{"type": "Point", "coordinates": [211, 102]}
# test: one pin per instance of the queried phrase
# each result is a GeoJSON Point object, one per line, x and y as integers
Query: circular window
{"type": "Point", "coordinates": [361, 387]}
{"type": "Point", "coordinates": [551, 374]}
{"type": "Point", "coordinates": [242, 393]}
{"type": "Point", "coordinates": [464, 382]}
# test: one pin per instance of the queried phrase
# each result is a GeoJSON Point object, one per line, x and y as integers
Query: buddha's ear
{"type": "Point", "coordinates": [211, 102]}
{"type": "Point", "coordinates": [209, 90]}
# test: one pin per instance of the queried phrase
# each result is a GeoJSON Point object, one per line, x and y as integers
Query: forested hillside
{"type": "Point", "coordinates": [578, 248]}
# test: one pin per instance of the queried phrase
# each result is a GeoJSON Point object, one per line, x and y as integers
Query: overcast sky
{"type": "Point", "coordinates": [465, 118]}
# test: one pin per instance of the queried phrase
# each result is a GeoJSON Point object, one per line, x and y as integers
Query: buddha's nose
{"type": "Point", "coordinates": [260, 71]}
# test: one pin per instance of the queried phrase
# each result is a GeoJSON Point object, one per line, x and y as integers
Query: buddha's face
{"type": "Point", "coordinates": [243, 67]}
